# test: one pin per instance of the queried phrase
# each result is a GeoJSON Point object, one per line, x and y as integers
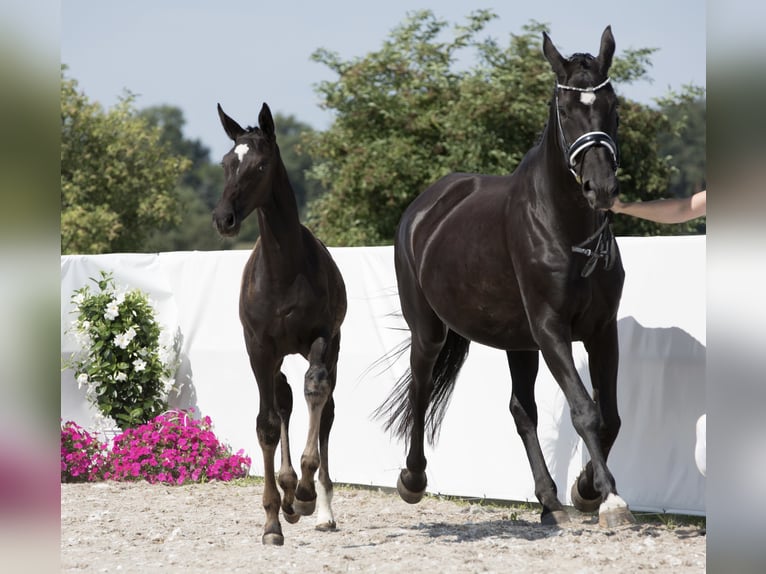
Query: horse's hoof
{"type": "Point", "coordinates": [273, 539]}
{"type": "Point", "coordinates": [326, 526]}
{"type": "Point", "coordinates": [406, 494]}
{"type": "Point", "coordinates": [291, 517]}
{"type": "Point", "coordinates": [583, 504]}
{"type": "Point", "coordinates": [305, 507]}
{"type": "Point", "coordinates": [614, 517]}
{"type": "Point", "coordinates": [554, 518]}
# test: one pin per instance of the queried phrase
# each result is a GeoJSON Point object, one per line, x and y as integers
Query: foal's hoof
{"type": "Point", "coordinates": [615, 517]}
{"type": "Point", "coordinates": [583, 504]}
{"type": "Point", "coordinates": [326, 526]}
{"type": "Point", "coordinates": [291, 517]}
{"type": "Point", "coordinates": [406, 494]}
{"type": "Point", "coordinates": [273, 539]}
{"type": "Point", "coordinates": [554, 518]}
{"type": "Point", "coordinates": [305, 507]}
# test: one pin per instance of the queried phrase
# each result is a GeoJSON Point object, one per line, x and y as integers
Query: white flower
{"type": "Point", "coordinates": [112, 311]}
{"type": "Point", "coordinates": [139, 364]}
{"type": "Point", "coordinates": [78, 299]}
{"type": "Point", "coordinates": [82, 379]}
{"type": "Point", "coordinates": [119, 297]}
{"type": "Point", "coordinates": [122, 340]}
{"type": "Point", "coordinates": [121, 377]}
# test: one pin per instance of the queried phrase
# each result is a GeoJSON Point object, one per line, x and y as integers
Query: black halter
{"type": "Point", "coordinates": [589, 139]}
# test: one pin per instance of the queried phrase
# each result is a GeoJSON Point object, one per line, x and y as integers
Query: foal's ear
{"type": "Point", "coordinates": [232, 128]}
{"type": "Point", "coordinates": [606, 51]}
{"type": "Point", "coordinates": [555, 59]}
{"type": "Point", "coordinates": [266, 122]}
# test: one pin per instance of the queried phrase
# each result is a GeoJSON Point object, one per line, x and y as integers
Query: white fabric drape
{"type": "Point", "coordinates": [661, 375]}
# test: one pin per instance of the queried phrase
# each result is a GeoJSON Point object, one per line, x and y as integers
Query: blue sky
{"type": "Point", "coordinates": [194, 54]}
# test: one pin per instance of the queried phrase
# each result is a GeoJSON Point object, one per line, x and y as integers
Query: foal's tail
{"type": "Point", "coordinates": [397, 412]}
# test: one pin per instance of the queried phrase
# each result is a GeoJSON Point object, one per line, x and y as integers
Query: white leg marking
{"type": "Point", "coordinates": [324, 511]}
{"type": "Point", "coordinates": [700, 447]}
{"type": "Point", "coordinates": [612, 501]}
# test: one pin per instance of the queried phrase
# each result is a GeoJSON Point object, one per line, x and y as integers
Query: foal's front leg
{"type": "Point", "coordinates": [318, 392]}
{"type": "Point", "coordinates": [268, 429]}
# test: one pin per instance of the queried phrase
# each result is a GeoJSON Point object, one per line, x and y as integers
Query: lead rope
{"type": "Point", "coordinates": [604, 247]}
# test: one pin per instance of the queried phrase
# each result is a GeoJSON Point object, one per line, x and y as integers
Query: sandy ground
{"type": "Point", "coordinates": [217, 527]}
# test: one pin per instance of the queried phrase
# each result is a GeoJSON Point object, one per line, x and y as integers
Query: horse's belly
{"type": "Point", "coordinates": [489, 312]}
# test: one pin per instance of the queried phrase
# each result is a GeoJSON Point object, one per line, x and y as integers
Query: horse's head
{"type": "Point", "coordinates": [248, 170]}
{"type": "Point", "coordinates": [585, 110]}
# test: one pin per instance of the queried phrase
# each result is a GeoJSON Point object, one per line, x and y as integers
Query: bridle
{"type": "Point", "coordinates": [596, 138]}
{"type": "Point", "coordinates": [604, 247]}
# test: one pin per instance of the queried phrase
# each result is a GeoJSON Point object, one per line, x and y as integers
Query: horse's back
{"type": "Point", "coordinates": [464, 203]}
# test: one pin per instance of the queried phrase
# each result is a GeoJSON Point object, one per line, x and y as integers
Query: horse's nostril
{"type": "Point", "coordinates": [228, 221]}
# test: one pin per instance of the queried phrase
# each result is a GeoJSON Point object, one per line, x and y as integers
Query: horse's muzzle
{"type": "Point", "coordinates": [225, 222]}
{"type": "Point", "coordinates": [599, 198]}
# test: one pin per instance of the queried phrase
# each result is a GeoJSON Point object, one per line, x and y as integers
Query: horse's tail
{"type": "Point", "coordinates": [396, 411]}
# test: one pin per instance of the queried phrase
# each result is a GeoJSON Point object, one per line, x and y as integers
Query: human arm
{"type": "Point", "coordinates": [672, 210]}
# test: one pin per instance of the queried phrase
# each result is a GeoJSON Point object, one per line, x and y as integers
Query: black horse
{"type": "Point", "coordinates": [525, 263]}
{"type": "Point", "coordinates": [292, 300]}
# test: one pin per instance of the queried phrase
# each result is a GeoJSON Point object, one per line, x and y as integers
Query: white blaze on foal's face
{"type": "Point", "coordinates": [241, 150]}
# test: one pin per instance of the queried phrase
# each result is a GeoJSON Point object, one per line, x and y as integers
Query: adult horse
{"type": "Point", "coordinates": [513, 262]}
{"type": "Point", "coordinates": [292, 300]}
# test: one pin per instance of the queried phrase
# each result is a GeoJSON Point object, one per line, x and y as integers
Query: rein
{"type": "Point", "coordinates": [604, 248]}
{"type": "Point", "coordinates": [589, 139]}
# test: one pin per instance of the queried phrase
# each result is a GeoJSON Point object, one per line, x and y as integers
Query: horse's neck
{"type": "Point", "coordinates": [280, 228]}
{"type": "Point", "coordinates": [568, 205]}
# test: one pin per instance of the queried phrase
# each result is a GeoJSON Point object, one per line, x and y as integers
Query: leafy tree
{"type": "Point", "coordinates": [118, 181]}
{"type": "Point", "coordinates": [687, 111]}
{"type": "Point", "coordinates": [681, 142]}
{"type": "Point", "coordinates": [406, 115]}
{"type": "Point", "coordinates": [198, 191]}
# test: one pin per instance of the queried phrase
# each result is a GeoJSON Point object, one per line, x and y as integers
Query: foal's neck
{"type": "Point", "coordinates": [280, 227]}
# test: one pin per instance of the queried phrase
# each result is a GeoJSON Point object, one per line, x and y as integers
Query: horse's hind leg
{"type": "Point", "coordinates": [603, 355]}
{"type": "Point", "coordinates": [317, 391]}
{"type": "Point", "coordinates": [287, 478]}
{"type": "Point", "coordinates": [428, 337]}
{"type": "Point", "coordinates": [524, 366]}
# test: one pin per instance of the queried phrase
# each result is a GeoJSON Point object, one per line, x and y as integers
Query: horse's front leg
{"type": "Point", "coordinates": [287, 478]}
{"type": "Point", "coordinates": [317, 390]}
{"type": "Point", "coordinates": [325, 518]}
{"type": "Point", "coordinates": [586, 419]}
{"type": "Point", "coordinates": [603, 359]}
{"type": "Point", "coordinates": [268, 428]}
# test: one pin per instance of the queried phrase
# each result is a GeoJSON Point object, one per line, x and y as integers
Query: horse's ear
{"type": "Point", "coordinates": [266, 122]}
{"type": "Point", "coordinates": [555, 59]}
{"type": "Point", "coordinates": [232, 128]}
{"type": "Point", "coordinates": [606, 51]}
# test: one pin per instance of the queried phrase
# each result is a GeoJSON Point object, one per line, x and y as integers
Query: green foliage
{"type": "Point", "coordinates": [118, 180]}
{"type": "Point", "coordinates": [679, 125]}
{"type": "Point", "coordinates": [407, 115]}
{"type": "Point", "coordinates": [125, 369]}
{"type": "Point", "coordinates": [688, 113]}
